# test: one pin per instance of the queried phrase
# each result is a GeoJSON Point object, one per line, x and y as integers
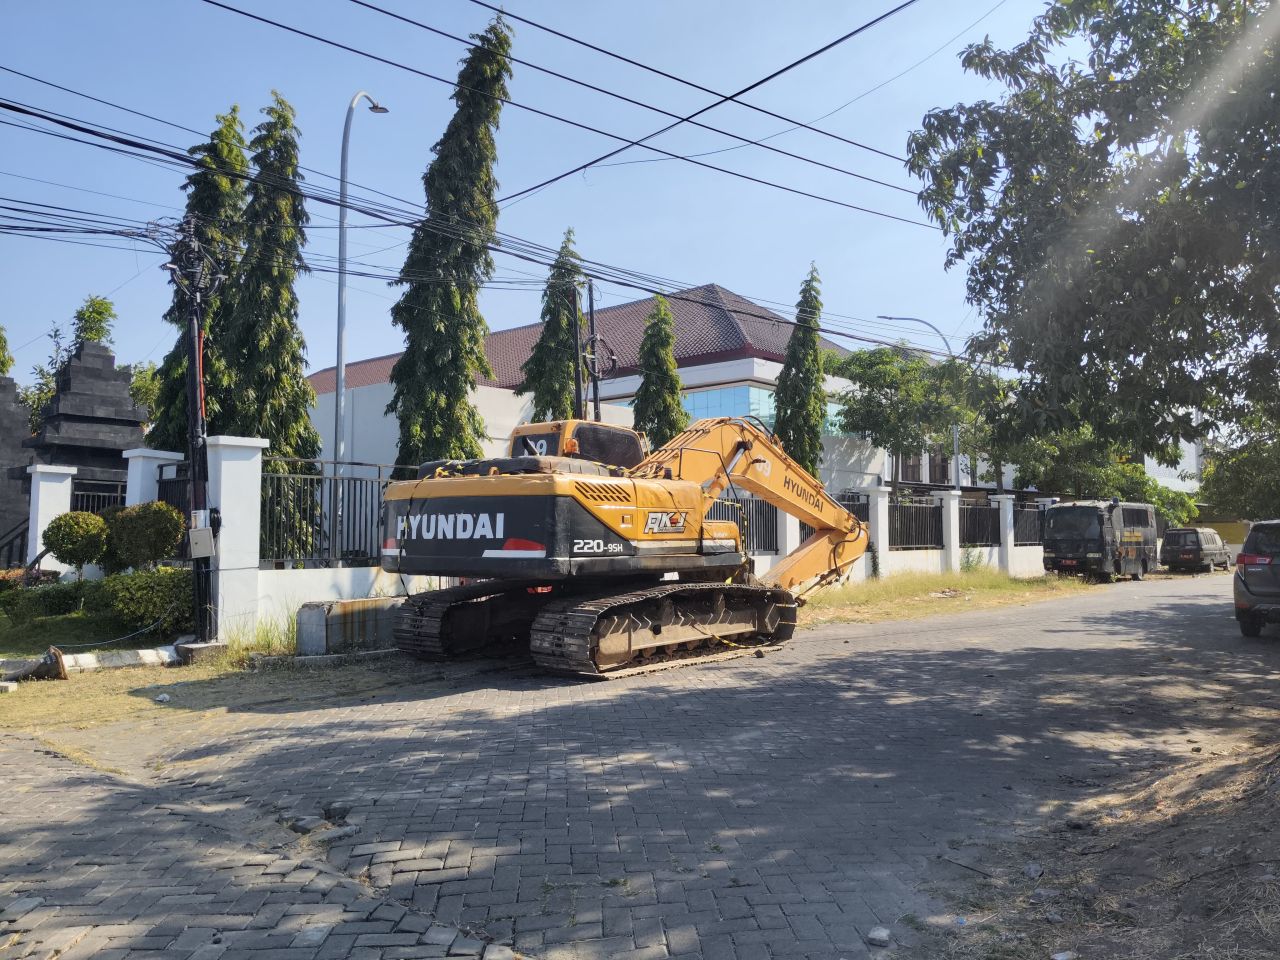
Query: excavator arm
{"type": "Point", "coordinates": [730, 452]}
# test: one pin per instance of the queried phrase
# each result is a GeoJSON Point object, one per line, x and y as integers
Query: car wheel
{"type": "Point", "coordinates": [1251, 627]}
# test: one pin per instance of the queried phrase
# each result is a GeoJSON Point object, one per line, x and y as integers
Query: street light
{"type": "Point", "coordinates": [955, 427]}
{"type": "Point", "coordinates": [340, 399]}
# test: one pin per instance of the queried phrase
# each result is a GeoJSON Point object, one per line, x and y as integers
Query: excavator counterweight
{"type": "Point", "coordinates": [596, 557]}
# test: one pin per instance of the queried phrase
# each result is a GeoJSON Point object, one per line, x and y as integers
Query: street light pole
{"type": "Point", "coordinates": [340, 369]}
{"type": "Point", "coordinates": [955, 427]}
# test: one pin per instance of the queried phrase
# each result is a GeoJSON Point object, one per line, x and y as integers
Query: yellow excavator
{"type": "Point", "coordinates": [599, 558]}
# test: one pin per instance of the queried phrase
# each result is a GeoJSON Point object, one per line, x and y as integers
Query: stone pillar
{"type": "Point", "coordinates": [878, 517]}
{"type": "Point", "coordinates": [1005, 501]}
{"type": "Point", "coordinates": [235, 490]}
{"type": "Point", "coordinates": [50, 496]}
{"type": "Point", "coordinates": [144, 473]}
{"type": "Point", "coordinates": [950, 500]}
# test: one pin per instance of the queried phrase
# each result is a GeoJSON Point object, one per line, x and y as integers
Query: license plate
{"type": "Point", "coordinates": [1068, 563]}
{"type": "Point", "coordinates": [1186, 556]}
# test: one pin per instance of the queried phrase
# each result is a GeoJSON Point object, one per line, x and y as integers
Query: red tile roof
{"type": "Point", "coordinates": [712, 324]}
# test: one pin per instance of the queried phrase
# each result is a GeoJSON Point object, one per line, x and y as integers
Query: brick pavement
{"type": "Point", "coordinates": [774, 807]}
{"type": "Point", "coordinates": [97, 865]}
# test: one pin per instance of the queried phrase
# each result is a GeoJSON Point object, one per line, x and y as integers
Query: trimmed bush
{"type": "Point", "coordinates": [51, 600]}
{"type": "Point", "coordinates": [111, 561]}
{"type": "Point", "coordinates": [145, 534]}
{"type": "Point", "coordinates": [77, 538]}
{"type": "Point", "coordinates": [146, 597]}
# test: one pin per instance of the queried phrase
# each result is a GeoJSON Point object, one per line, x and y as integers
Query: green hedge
{"type": "Point", "coordinates": [129, 600]}
{"type": "Point", "coordinates": [145, 597]}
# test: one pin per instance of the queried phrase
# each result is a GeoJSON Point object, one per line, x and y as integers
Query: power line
{"type": "Point", "coordinates": [573, 123]}
{"type": "Point", "coordinates": [848, 103]}
{"type": "Point", "coordinates": [503, 244]}
{"type": "Point", "coordinates": [743, 141]}
{"type": "Point", "coordinates": [724, 98]}
{"type": "Point", "coordinates": [681, 80]}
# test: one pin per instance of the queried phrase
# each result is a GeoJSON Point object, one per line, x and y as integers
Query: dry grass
{"type": "Point", "coordinates": [909, 596]}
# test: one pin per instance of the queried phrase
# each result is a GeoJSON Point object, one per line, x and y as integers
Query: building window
{"type": "Point", "coordinates": [939, 467]}
{"type": "Point", "coordinates": [911, 469]}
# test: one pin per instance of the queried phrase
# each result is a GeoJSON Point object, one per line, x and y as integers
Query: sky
{"type": "Point", "coordinates": [185, 61]}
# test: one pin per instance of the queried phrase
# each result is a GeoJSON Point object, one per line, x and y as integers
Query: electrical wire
{"type": "Point", "coordinates": [743, 141]}
{"type": "Point", "coordinates": [725, 98]}
{"type": "Point", "coordinates": [565, 120]}
{"type": "Point", "coordinates": [681, 80]}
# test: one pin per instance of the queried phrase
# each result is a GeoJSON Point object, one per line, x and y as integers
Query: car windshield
{"type": "Point", "coordinates": [1075, 522]}
{"type": "Point", "coordinates": [1180, 538]}
{"type": "Point", "coordinates": [1264, 541]}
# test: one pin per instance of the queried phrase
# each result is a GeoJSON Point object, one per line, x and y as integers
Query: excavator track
{"type": "Point", "coordinates": [459, 621]}
{"type": "Point", "coordinates": [598, 635]}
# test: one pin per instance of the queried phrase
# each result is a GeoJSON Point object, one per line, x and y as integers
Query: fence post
{"type": "Point", "coordinates": [143, 483]}
{"type": "Point", "coordinates": [950, 500]}
{"type": "Point", "coordinates": [50, 496]}
{"type": "Point", "coordinates": [235, 489]}
{"type": "Point", "coordinates": [878, 518]}
{"type": "Point", "coordinates": [1006, 502]}
{"type": "Point", "coordinates": [788, 534]}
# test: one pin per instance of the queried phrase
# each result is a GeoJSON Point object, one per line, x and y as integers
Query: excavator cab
{"type": "Point", "coordinates": [604, 443]}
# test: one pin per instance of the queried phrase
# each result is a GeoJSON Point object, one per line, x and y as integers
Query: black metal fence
{"type": "Point", "coordinates": [94, 496]}
{"type": "Point", "coordinates": [915, 523]}
{"type": "Point", "coordinates": [756, 519]}
{"type": "Point", "coordinates": [979, 524]}
{"type": "Point", "coordinates": [318, 513]}
{"type": "Point", "coordinates": [1028, 525]}
{"type": "Point", "coordinates": [13, 546]}
{"type": "Point", "coordinates": [855, 503]}
{"type": "Point", "coordinates": [173, 486]}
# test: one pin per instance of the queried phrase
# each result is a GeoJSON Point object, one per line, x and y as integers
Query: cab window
{"type": "Point", "coordinates": [612, 447]}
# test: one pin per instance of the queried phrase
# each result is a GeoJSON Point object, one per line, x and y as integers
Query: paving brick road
{"type": "Point", "coordinates": [777, 807]}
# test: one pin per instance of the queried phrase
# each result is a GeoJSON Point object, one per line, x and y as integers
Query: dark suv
{"type": "Point", "coordinates": [1194, 548]}
{"type": "Point", "coordinates": [1257, 579]}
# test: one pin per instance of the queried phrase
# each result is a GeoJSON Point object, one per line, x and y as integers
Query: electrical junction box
{"type": "Point", "coordinates": [201, 540]}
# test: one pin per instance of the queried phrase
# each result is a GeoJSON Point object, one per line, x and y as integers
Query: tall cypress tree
{"type": "Point", "coordinates": [548, 373]}
{"type": "Point", "coordinates": [271, 397]}
{"type": "Point", "coordinates": [215, 197]}
{"type": "Point", "coordinates": [447, 263]}
{"type": "Point", "coordinates": [659, 412]}
{"type": "Point", "coordinates": [801, 397]}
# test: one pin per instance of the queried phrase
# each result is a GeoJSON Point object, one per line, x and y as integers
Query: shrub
{"type": "Point", "coordinates": [51, 600]}
{"type": "Point", "coordinates": [145, 597]}
{"type": "Point", "coordinates": [77, 538]}
{"type": "Point", "coordinates": [144, 534]}
{"type": "Point", "coordinates": [111, 561]}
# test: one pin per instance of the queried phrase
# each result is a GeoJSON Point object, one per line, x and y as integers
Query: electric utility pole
{"type": "Point", "coordinates": [191, 273]}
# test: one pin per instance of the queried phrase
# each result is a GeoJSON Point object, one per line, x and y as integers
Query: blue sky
{"type": "Point", "coordinates": [185, 61]}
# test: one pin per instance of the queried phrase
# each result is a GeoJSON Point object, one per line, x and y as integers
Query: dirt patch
{"type": "Point", "coordinates": [1185, 867]}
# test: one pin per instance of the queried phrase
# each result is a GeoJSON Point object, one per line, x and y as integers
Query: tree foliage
{"type": "Point", "coordinates": [44, 379]}
{"type": "Point", "coordinates": [898, 400]}
{"type": "Point", "coordinates": [92, 322]}
{"type": "Point", "coordinates": [1242, 475]}
{"type": "Point", "coordinates": [447, 263]}
{"type": "Point", "coordinates": [658, 410]}
{"type": "Point", "coordinates": [1081, 464]}
{"type": "Point", "coordinates": [215, 198]}
{"type": "Point", "coordinates": [146, 533]}
{"type": "Point", "coordinates": [6, 358]}
{"type": "Point", "coordinates": [549, 371]}
{"type": "Point", "coordinates": [1117, 213]}
{"type": "Point", "coordinates": [144, 388]}
{"type": "Point", "coordinates": [271, 396]}
{"type": "Point", "coordinates": [801, 396]}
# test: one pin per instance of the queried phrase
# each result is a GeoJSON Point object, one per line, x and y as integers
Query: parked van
{"type": "Point", "coordinates": [1194, 548]}
{"type": "Point", "coordinates": [1257, 579]}
{"type": "Point", "coordinates": [1100, 538]}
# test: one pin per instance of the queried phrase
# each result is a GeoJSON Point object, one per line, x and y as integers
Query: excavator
{"type": "Point", "coordinates": [599, 558]}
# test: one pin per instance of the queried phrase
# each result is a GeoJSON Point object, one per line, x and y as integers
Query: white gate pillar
{"type": "Point", "coordinates": [950, 500]}
{"type": "Point", "coordinates": [1006, 528]}
{"type": "Point", "coordinates": [878, 517]}
{"type": "Point", "coordinates": [235, 490]}
{"type": "Point", "coordinates": [50, 497]}
{"type": "Point", "coordinates": [143, 483]}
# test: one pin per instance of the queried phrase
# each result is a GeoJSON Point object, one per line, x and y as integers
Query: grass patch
{"type": "Point", "coordinates": [908, 596]}
{"type": "Point", "coordinates": [34, 638]}
{"type": "Point", "coordinates": [271, 639]}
